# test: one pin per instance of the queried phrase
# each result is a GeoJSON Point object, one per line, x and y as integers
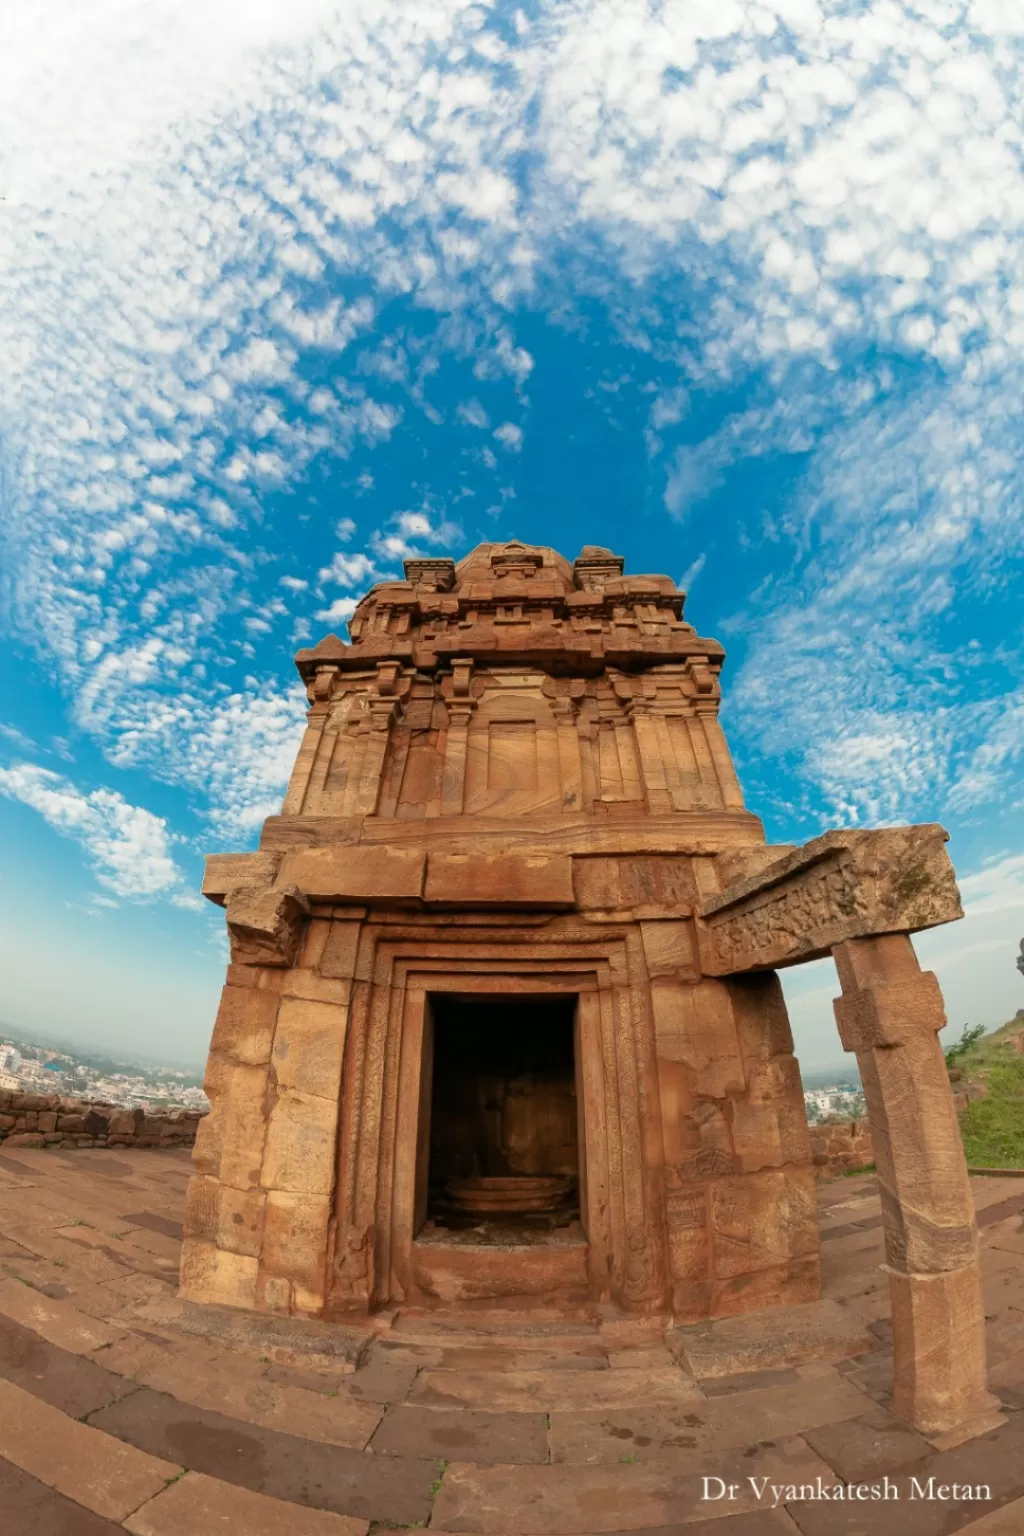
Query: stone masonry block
{"type": "Point", "coordinates": [939, 1349]}
{"type": "Point", "coordinates": [781, 1285]}
{"type": "Point", "coordinates": [769, 1121]}
{"type": "Point", "coordinates": [761, 1220]}
{"type": "Point", "coordinates": [229, 1140]}
{"type": "Point", "coordinates": [211, 1276]}
{"type": "Point", "coordinates": [266, 927]}
{"type": "Point", "coordinates": [890, 1014]}
{"type": "Point", "coordinates": [689, 1247]}
{"type": "Point", "coordinates": [499, 880]}
{"type": "Point", "coordinates": [315, 987]}
{"type": "Point", "coordinates": [386, 876]}
{"type": "Point", "coordinates": [762, 1022]}
{"type": "Point", "coordinates": [244, 1028]}
{"type": "Point", "coordinates": [309, 1046]}
{"type": "Point", "coordinates": [339, 956]}
{"type": "Point", "coordinates": [295, 1244]}
{"type": "Point", "coordinates": [300, 1151]}
{"type": "Point", "coordinates": [226, 872]}
{"type": "Point", "coordinates": [668, 947]}
{"type": "Point", "coordinates": [695, 1025]}
{"type": "Point", "coordinates": [232, 1219]}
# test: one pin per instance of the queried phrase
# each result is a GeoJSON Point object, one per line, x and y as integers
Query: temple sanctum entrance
{"type": "Point", "coordinates": [504, 1142]}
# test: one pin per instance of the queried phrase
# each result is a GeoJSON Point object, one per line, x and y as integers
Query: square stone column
{"type": "Point", "coordinates": [889, 1014]}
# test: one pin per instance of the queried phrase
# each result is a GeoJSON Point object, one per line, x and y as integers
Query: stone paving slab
{"type": "Point", "coordinates": [207, 1376]}
{"type": "Point", "coordinates": [289, 1340]}
{"type": "Point", "coordinates": [66, 1381]}
{"type": "Point", "coordinates": [858, 1450]}
{"type": "Point", "coordinates": [588, 1357]}
{"type": "Point", "coordinates": [995, 1459]}
{"type": "Point", "coordinates": [521, 1391]}
{"type": "Point", "coordinates": [701, 1429]}
{"type": "Point", "coordinates": [155, 1222]}
{"type": "Point", "coordinates": [59, 1322]}
{"type": "Point", "coordinates": [266, 1387]}
{"type": "Point", "coordinates": [749, 1381]}
{"type": "Point", "coordinates": [106, 1475]}
{"type": "Point", "coordinates": [763, 1340]}
{"type": "Point", "coordinates": [1008, 1521]}
{"type": "Point", "coordinates": [381, 1380]}
{"type": "Point", "coordinates": [460, 1434]}
{"type": "Point", "coordinates": [29, 1508]}
{"type": "Point", "coordinates": [197, 1505]}
{"type": "Point", "coordinates": [284, 1466]}
{"type": "Point", "coordinates": [755, 1522]}
{"type": "Point", "coordinates": [594, 1500]}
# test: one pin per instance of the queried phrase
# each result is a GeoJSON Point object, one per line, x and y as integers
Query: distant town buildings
{"type": "Point", "coordinates": [37, 1069]}
{"type": "Point", "coordinates": [835, 1101]}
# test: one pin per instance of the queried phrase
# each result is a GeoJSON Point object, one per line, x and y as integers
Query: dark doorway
{"type": "Point", "coordinates": [504, 1135]}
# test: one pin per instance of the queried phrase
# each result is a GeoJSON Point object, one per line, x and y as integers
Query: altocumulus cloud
{"type": "Point", "coordinates": [801, 199]}
{"type": "Point", "coordinates": [129, 848]}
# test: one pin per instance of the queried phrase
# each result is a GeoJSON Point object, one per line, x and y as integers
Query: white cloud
{"type": "Point", "coordinates": [294, 583]}
{"type": "Point", "coordinates": [821, 186]}
{"type": "Point", "coordinates": [472, 414]}
{"type": "Point", "coordinates": [348, 570]}
{"type": "Point", "coordinates": [129, 848]}
{"type": "Point", "coordinates": [341, 609]}
{"type": "Point", "coordinates": [510, 436]}
{"type": "Point", "coordinates": [691, 573]}
{"type": "Point", "coordinates": [345, 527]}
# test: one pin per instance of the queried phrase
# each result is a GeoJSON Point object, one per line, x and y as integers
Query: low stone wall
{"type": "Point", "coordinates": [48, 1120]}
{"type": "Point", "coordinates": [838, 1146]}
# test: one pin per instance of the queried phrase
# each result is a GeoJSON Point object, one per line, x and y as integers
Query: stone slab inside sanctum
{"type": "Point", "coordinates": [502, 1024]}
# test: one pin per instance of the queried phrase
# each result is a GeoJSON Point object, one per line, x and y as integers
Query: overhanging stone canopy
{"type": "Point", "coordinates": [502, 1024]}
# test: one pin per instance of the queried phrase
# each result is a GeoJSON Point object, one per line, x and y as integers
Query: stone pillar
{"type": "Point", "coordinates": [461, 704]}
{"type": "Point", "coordinates": [890, 1013]}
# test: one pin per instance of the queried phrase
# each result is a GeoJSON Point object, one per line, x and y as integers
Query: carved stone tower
{"type": "Point", "coordinates": [467, 1052]}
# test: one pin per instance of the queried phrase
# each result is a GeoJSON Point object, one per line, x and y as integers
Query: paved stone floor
{"type": "Point", "coordinates": [123, 1409]}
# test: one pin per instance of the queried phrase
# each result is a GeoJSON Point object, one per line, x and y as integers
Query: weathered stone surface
{"type": "Point", "coordinates": [383, 875]}
{"type": "Point", "coordinates": [843, 885]}
{"type": "Point", "coordinates": [266, 926]}
{"type": "Point", "coordinates": [207, 1504]}
{"type": "Point", "coordinates": [498, 880]}
{"type": "Point", "coordinates": [227, 872]}
{"type": "Point", "coordinates": [300, 1144]}
{"type": "Point", "coordinates": [463, 1434]}
{"type": "Point", "coordinates": [243, 1031]}
{"type": "Point", "coordinates": [891, 1014]}
{"type": "Point", "coordinates": [821, 1330]}
{"type": "Point", "coordinates": [394, 1490]}
{"type": "Point", "coordinates": [839, 1147]}
{"type": "Point", "coordinates": [108, 1477]}
{"type": "Point", "coordinates": [210, 1273]}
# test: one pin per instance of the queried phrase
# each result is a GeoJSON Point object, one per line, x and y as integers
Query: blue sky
{"type": "Point", "coordinates": [289, 292]}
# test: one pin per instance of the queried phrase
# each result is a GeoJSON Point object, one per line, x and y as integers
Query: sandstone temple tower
{"type": "Point", "coordinates": [502, 1024]}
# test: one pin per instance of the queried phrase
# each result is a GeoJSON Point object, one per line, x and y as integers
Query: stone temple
{"type": "Point", "coordinates": [502, 1025]}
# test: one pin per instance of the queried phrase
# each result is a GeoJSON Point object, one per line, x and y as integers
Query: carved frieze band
{"type": "Point", "coordinates": [843, 885]}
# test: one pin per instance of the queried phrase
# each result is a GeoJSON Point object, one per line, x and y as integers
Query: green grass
{"type": "Point", "coordinates": [993, 1127]}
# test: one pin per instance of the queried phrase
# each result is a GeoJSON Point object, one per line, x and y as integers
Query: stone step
{"type": "Point", "coordinates": [520, 1326]}
{"type": "Point", "coordinates": [551, 1391]}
